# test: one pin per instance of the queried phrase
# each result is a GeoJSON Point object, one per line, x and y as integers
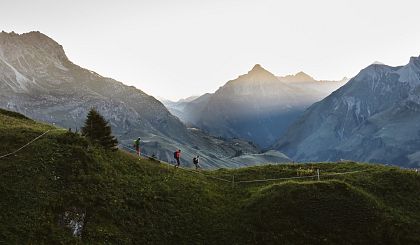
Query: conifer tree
{"type": "Point", "coordinates": [97, 130]}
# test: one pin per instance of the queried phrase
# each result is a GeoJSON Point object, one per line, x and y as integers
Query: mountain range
{"type": "Point", "coordinates": [375, 117]}
{"type": "Point", "coordinates": [38, 80]}
{"type": "Point", "coordinates": [257, 106]}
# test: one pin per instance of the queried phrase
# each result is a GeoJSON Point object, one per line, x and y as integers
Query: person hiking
{"type": "Point", "coordinates": [137, 146]}
{"type": "Point", "coordinates": [196, 161]}
{"type": "Point", "coordinates": [177, 156]}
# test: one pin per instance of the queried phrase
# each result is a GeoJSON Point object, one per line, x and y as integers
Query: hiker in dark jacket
{"type": "Point", "coordinates": [196, 161]}
{"type": "Point", "coordinates": [177, 156]}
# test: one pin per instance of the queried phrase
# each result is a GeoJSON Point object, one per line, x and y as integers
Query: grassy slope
{"type": "Point", "coordinates": [131, 201]}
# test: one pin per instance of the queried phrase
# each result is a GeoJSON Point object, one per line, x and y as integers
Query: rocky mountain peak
{"type": "Point", "coordinates": [34, 43]}
{"type": "Point", "coordinates": [303, 75]}
{"type": "Point", "coordinates": [257, 74]}
{"type": "Point", "coordinates": [377, 63]}
{"type": "Point", "coordinates": [415, 61]}
{"type": "Point", "coordinates": [258, 69]}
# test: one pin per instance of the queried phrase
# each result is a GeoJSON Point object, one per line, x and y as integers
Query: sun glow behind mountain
{"type": "Point", "coordinates": [175, 49]}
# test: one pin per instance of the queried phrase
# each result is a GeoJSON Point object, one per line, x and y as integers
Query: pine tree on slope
{"type": "Point", "coordinates": [97, 130]}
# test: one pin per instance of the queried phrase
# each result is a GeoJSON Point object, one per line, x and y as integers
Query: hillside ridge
{"type": "Point", "coordinates": [64, 190]}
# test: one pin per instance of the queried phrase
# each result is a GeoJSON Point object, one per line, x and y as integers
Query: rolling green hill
{"type": "Point", "coordinates": [63, 190]}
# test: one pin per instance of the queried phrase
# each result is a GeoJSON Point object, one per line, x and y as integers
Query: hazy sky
{"type": "Point", "coordinates": [177, 48]}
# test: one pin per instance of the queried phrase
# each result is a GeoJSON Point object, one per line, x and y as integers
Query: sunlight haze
{"type": "Point", "coordinates": [175, 49]}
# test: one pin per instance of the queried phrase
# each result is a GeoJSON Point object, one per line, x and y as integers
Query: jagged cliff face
{"type": "Point", "coordinates": [373, 118]}
{"type": "Point", "coordinates": [38, 80]}
{"type": "Point", "coordinates": [257, 106]}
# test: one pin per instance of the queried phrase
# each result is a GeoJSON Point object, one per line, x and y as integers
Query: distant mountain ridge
{"type": "Point", "coordinates": [373, 118]}
{"type": "Point", "coordinates": [298, 77]}
{"type": "Point", "coordinates": [38, 80]}
{"type": "Point", "coordinates": [256, 106]}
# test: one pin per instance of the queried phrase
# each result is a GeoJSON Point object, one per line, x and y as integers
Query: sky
{"type": "Point", "coordinates": [178, 48]}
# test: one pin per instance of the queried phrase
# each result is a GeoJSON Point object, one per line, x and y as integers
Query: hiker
{"type": "Point", "coordinates": [137, 146]}
{"type": "Point", "coordinates": [177, 156]}
{"type": "Point", "coordinates": [196, 161]}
